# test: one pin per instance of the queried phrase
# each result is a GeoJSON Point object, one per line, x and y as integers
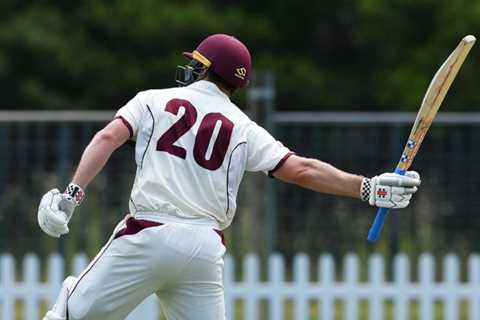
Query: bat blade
{"type": "Point", "coordinates": [436, 92]}
{"type": "Point", "coordinates": [431, 102]}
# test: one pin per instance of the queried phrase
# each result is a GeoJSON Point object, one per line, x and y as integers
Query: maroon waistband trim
{"type": "Point", "coordinates": [222, 236]}
{"type": "Point", "coordinates": [134, 226]}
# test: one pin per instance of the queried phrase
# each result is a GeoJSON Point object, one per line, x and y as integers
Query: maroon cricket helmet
{"type": "Point", "coordinates": [226, 56]}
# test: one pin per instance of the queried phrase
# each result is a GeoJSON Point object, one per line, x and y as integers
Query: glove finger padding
{"type": "Point", "coordinates": [400, 197]}
{"type": "Point", "coordinates": [413, 174]}
{"type": "Point", "coordinates": [46, 225]}
{"type": "Point", "coordinates": [396, 180]}
{"type": "Point", "coordinates": [404, 191]}
{"type": "Point", "coordinates": [45, 228]}
{"type": "Point", "coordinates": [51, 219]}
{"type": "Point", "coordinates": [54, 223]}
{"type": "Point", "coordinates": [409, 191]}
{"type": "Point", "coordinates": [48, 199]}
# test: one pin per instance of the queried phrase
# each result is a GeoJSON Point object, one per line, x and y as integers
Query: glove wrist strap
{"type": "Point", "coordinates": [365, 189]}
{"type": "Point", "coordinates": [75, 192]}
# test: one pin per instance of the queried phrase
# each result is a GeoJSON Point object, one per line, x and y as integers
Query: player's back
{"type": "Point", "coordinates": [192, 150]}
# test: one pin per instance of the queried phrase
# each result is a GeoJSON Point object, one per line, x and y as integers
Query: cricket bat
{"type": "Point", "coordinates": [432, 100]}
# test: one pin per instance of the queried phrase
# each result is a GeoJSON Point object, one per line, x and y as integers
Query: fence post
{"type": "Point", "coordinates": [251, 279]}
{"type": "Point", "coordinates": [276, 277]}
{"type": "Point", "coordinates": [426, 286]}
{"type": "Point", "coordinates": [80, 263]}
{"type": "Point", "coordinates": [7, 272]}
{"type": "Point", "coordinates": [350, 277]}
{"type": "Point", "coordinates": [401, 277]}
{"type": "Point", "coordinates": [326, 274]}
{"type": "Point", "coordinates": [31, 270]}
{"type": "Point", "coordinates": [301, 276]}
{"type": "Point", "coordinates": [474, 284]}
{"type": "Point", "coordinates": [376, 277]}
{"type": "Point", "coordinates": [450, 278]}
{"type": "Point", "coordinates": [56, 274]}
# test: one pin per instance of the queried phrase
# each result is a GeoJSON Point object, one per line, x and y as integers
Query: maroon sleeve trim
{"type": "Point", "coordinates": [280, 164]}
{"type": "Point", "coordinates": [127, 124]}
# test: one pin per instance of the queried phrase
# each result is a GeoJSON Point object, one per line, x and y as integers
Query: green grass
{"type": "Point", "coordinates": [289, 309]}
{"type": "Point", "coordinates": [363, 309]}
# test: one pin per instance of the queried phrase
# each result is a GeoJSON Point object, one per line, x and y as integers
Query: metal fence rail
{"type": "Point", "coordinates": [371, 117]}
{"type": "Point", "coordinates": [275, 117]}
{"type": "Point", "coordinates": [56, 116]}
{"type": "Point", "coordinates": [313, 298]}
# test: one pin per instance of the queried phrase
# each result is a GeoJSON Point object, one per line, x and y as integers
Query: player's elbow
{"type": "Point", "coordinates": [304, 172]}
{"type": "Point", "coordinates": [105, 137]}
{"type": "Point", "coordinates": [297, 170]}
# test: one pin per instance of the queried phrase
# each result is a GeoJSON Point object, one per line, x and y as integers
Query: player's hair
{"type": "Point", "coordinates": [215, 78]}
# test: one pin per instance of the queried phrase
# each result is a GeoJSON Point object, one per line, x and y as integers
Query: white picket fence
{"type": "Point", "coordinates": [276, 290]}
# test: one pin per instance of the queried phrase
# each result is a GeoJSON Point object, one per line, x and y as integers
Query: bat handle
{"type": "Point", "coordinates": [377, 224]}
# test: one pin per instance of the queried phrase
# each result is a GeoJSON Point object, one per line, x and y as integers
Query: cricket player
{"type": "Point", "coordinates": [192, 147]}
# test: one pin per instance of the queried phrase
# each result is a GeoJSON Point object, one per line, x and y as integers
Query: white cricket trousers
{"type": "Point", "coordinates": [181, 263]}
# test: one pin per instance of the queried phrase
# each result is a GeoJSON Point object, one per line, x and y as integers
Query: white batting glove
{"type": "Point", "coordinates": [390, 190]}
{"type": "Point", "coordinates": [56, 209]}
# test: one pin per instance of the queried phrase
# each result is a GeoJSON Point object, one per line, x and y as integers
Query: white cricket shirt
{"type": "Point", "coordinates": [192, 147]}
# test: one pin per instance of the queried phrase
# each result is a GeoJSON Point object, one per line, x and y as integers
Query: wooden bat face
{"type": "Point", "coordinates": [432, 100]}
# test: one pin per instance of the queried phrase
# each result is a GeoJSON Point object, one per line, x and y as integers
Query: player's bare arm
{"type": "Point", "coordinates": [56, 209]}
{"type": "Point", "coordinates": [99, 150]}
{"type": "Point", "coordinates": [387, 190]}
{"type": "Point", "coordinates": [319, 176]}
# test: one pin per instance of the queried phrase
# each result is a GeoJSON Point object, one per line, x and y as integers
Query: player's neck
{"type": "Point", "coordinates": [224, 90]}
{"type": "Point", "coordinates": [220, 86]}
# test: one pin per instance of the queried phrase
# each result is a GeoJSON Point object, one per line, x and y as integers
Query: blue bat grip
{"type": "Point", "coordinates": [377, 225]}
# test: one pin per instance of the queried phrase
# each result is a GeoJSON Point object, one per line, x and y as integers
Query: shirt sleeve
{"type": "Point", "coordinates": [265, 153]}
{"type": "Point", "coordinates": [131, 114]}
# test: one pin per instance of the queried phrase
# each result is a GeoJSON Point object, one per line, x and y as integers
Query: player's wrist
{"type": "Point", "coordinates": [365, 189]}
{"type": "Point", "coordinates": [74, 193]}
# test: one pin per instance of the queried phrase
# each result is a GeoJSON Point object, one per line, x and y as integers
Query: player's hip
{"type": "Point", "coordinates": [156, 236]}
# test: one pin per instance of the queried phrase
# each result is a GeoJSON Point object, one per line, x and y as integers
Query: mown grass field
{"type": "Point", "coordinates": [314, 311]}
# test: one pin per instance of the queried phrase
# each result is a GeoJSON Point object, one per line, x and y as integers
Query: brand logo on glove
{"type": "Point", "coordinates": [381, 193]}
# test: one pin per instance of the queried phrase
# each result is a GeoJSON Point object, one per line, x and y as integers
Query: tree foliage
{"type": "Point", "coordinates": [335, 55]}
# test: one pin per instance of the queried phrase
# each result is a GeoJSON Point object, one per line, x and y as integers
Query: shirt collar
{"type": "Point", "coordinates": [209, 87]}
